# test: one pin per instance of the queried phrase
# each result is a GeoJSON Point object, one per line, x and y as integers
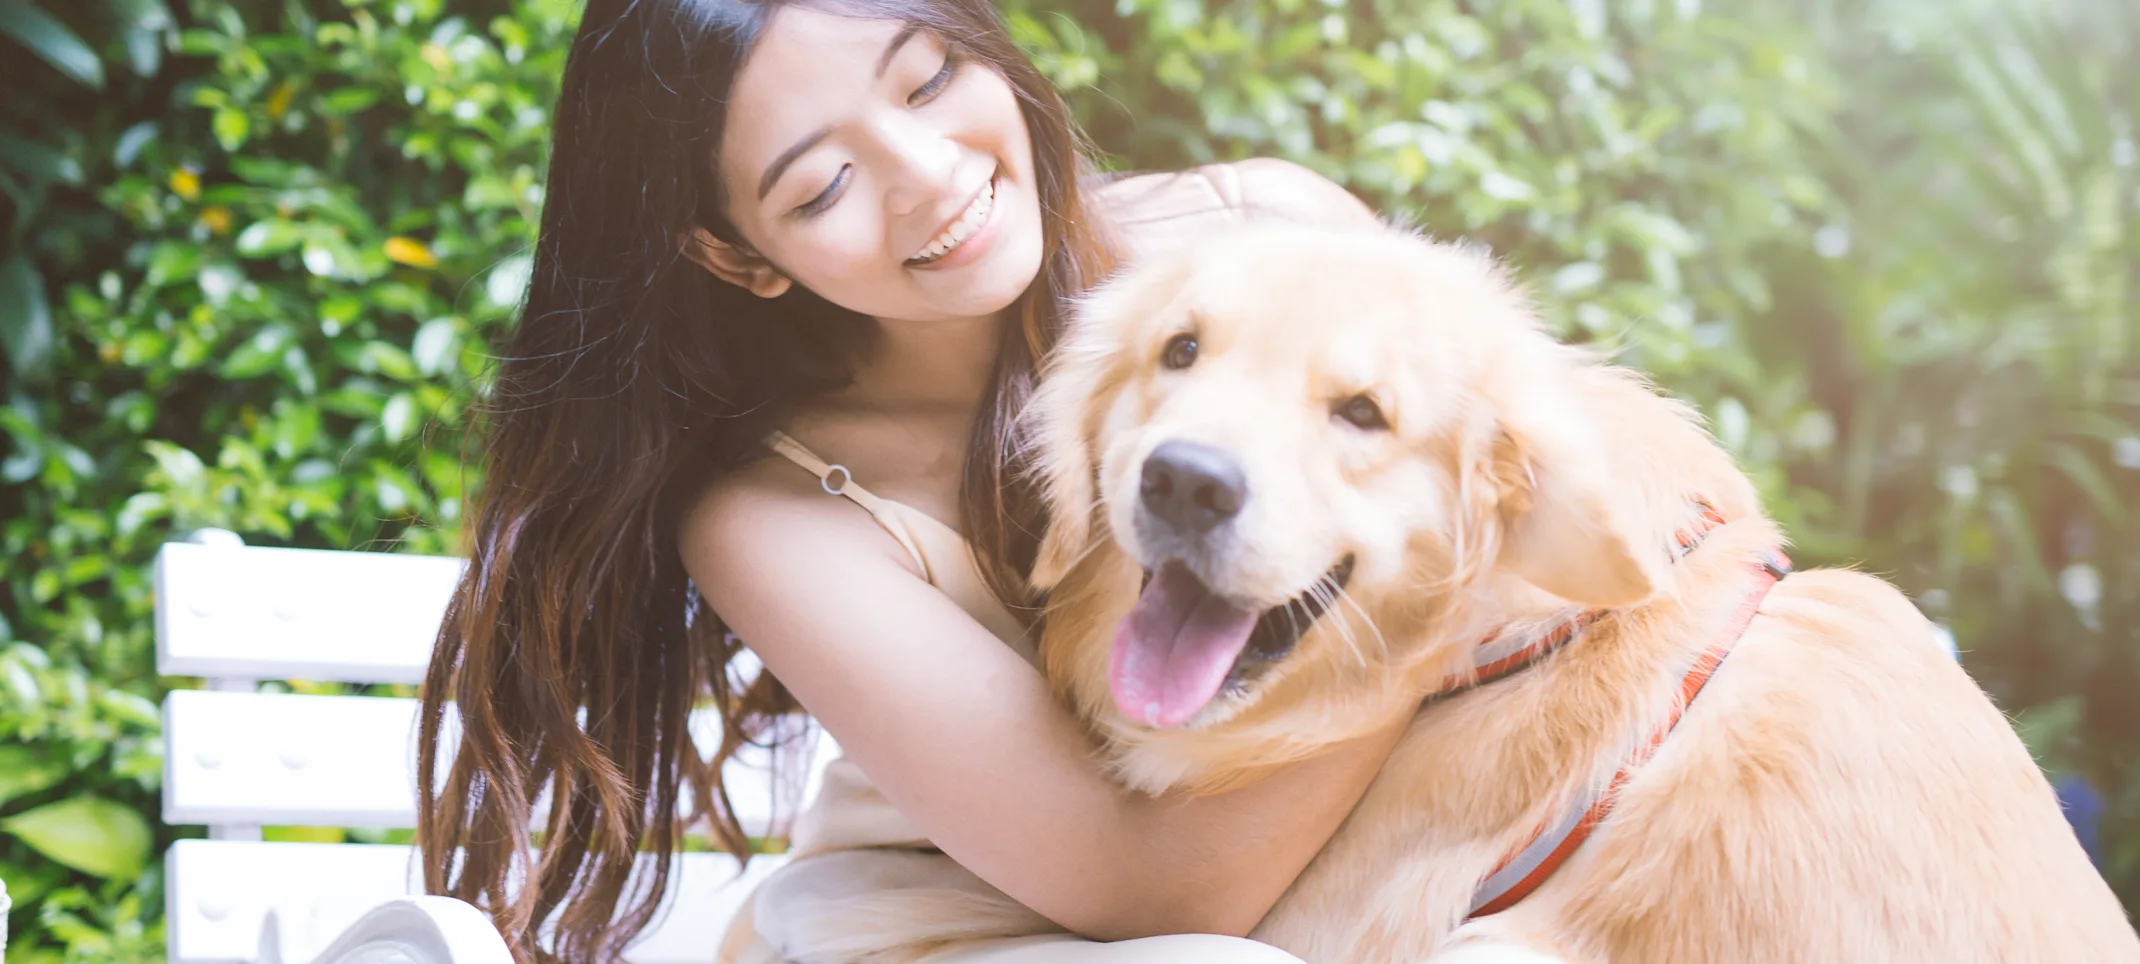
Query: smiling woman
{"type": "Point", "coordinates": [799, 229]}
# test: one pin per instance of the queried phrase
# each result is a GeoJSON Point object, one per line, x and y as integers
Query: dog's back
{"type": "Point", "coordinates": [1842, 792]}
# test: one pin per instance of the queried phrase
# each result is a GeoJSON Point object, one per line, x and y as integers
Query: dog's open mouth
{"type": "Point", "coordinates": [1182, 643]}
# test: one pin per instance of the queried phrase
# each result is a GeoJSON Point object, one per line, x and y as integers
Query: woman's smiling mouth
{"type": "Point", "coordinates": [955, 236]}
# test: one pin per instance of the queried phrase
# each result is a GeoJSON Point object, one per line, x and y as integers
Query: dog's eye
{"type": "Point", "coordinates": [1180, 351]}
{"type": "Point", "coordinates": [1362, 412]}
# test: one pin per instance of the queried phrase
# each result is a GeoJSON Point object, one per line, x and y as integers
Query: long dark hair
{"type": "Point", "coordinates": [634, 379]}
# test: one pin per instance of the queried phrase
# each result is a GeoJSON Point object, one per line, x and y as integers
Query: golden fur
{"type": "Point", "coordinates": [1841, 792]}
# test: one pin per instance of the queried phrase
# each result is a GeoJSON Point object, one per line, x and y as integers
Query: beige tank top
{"type": "Point", "coordinates": [848, 811]}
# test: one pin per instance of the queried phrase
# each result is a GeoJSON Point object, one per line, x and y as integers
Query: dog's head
{"type": "Point", "coordinates": [1265, 455]}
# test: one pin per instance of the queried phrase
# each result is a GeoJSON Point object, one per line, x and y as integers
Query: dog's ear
{"type": "Point", "coordinates": [1068, 471]}
{"type": "Point", "coordinates": [1084, 373]}
{"type": "Point", "coordinates": [1566, 523]}
{"type": "Point", "coordinates": [1060, 427]}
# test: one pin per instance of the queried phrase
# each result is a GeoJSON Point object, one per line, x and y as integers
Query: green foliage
{"type": "Point", "coordinates": [261, 277]}
{"type": "Point", "coordinates": [1979, 347]}
{"type": "Point", "coordinates": [254, 252]}
{"type": "Point", "coordinates": [89, 834]}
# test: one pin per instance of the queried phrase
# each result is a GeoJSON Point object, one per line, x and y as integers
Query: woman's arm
{"type": "Point", "coordinates": [964, 738]}
{"type": "Point", "coordinates": [1155, 212]}
{"type": "Point", "coordinates": [1271, 187]}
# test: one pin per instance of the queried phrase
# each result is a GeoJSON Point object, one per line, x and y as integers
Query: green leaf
{"type": "Point", "coordinates": [23, 772]}
{"type": "Point", "coordinates": [139, 509]}
{"type": "Point", "coordinates": [41, 162]}
{"type": "Point", "coordinates": [183, 469]}
{"type": "Point", "coordinates": [23, 464]}
{"type": "Point", "coordinates": [258, 356]}
{"type": "Point", "coordinates": [50, 39]}
{"type": "Point", "coordinates": [508, 282]}
{"type": "Point", "coordinates": [25, 317]}
{"type": "Point", "coordinates": [349, 100]}
{"type": "Point", "coordinates": [231, 126]}
{"type": "Point", "coordinates": [25, 885]}
{"type": "Point", "coordinates": [433, 348]}
{"type": "Point", "coordinates": [131, 143]}
{"type": "Point", "coordinates": [262, 238]}
{"type": "Point", "coordinates": [142, 24]}
{"type": "Point", "coordinates": [126, 707]}
{"type": "Point", "coordinates": [304, 834]}
{"type": "Point", "coordinates": [399, 417]}
{"type": "Point", "coordinates": [90, 834]}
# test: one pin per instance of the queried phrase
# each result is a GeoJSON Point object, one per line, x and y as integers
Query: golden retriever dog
{"type": "Point", "coordinates": [1304, 479]}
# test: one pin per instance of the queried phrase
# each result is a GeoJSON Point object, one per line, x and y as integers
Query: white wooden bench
{"type": "Point", "coordinates": [237, 759]}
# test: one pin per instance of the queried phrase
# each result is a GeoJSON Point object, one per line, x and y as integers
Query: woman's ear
{"type": "Point", "coordinates": [736, 265]}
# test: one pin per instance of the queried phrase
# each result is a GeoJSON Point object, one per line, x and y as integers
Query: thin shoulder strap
{"type": "Point", "coordinates": [836, 480]}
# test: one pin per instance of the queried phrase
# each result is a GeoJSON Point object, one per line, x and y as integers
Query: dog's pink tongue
{"type": "Point", "coordinates": [1173, 650]}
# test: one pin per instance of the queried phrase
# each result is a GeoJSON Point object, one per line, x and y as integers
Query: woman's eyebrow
{"type": "Point", "coordinates": [787, 157]}
{"type": "Point", "coordinates": [892, 49]}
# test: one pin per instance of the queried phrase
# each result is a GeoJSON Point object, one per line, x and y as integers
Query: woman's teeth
{"type": "Point", "coordinates": [963, 228]}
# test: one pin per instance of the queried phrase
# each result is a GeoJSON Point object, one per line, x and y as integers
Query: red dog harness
{"type": "Point", "coordinates": [1522, 871]}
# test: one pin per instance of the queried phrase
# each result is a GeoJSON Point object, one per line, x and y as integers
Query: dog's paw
{"type": "Point", "coordinates": [882, 907]}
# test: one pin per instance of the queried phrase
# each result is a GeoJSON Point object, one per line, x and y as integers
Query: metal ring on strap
{"type": "Point", "coordinates": [825, 481]}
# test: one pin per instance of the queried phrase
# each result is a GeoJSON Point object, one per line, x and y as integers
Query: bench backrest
{"type": "Point", "coordinates": [237, 759]}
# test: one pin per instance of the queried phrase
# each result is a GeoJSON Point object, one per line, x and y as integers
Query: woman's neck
{"type": "Point", "coordinates": [943, 365]}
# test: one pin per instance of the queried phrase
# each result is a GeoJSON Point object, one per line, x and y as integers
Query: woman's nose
{"type": "Point", "coordinates": [921, 161]}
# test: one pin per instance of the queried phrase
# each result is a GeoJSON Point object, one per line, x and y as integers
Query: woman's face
{"type": "Point", "coordinates": [881, 170]}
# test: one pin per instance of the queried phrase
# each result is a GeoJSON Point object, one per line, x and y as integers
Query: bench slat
{"type": "Point", "coordinates": [218, 894]}
{"type": "Point", "coordinates": [350, 761]}
{"type": "Point", "coordinates": [269, 613]}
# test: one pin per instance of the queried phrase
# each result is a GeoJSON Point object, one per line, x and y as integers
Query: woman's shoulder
{"type": "Point", "coordinates": [772, 505]}
{"type": "Point", "coordinates": [1257, 188]}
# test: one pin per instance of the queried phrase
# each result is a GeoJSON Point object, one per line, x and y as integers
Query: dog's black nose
{"type": "Point", "coordinates": [1192, 487]}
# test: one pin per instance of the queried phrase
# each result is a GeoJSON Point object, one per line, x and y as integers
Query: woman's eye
{"type": "Point", "coordinates": [830, 194]}
{"type": "Point", "coordinates": [1180, 352]}
{"type": "Point", "coordinates": [1363, 413]}
{"type": "Point", "coordinates": [936, 84]}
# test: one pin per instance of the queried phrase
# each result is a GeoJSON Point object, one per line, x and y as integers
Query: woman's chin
{"type": "Point", "coordinates": [1017, 261]}
{"type": "Point", "coordinates": [995, 283]}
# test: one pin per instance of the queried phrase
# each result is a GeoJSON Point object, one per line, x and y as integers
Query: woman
{"type": "Point", "coordinates": [778, 231]}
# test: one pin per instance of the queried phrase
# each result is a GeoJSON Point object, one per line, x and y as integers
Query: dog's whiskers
{"type": "Point", "coordinates": [1345, 596]}
{"type": "Point", "coordinates": [1328, 593]}
{"type": "Point", "coordinates": [1318, 596]}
